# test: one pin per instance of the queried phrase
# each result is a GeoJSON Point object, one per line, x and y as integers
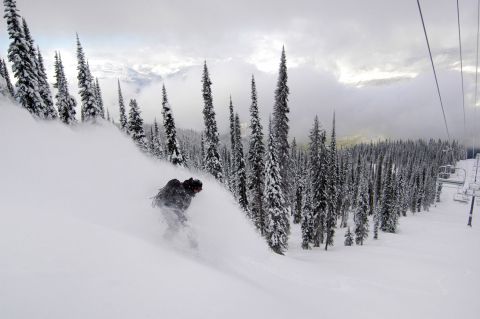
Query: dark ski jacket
{"type": "Point", "coordinates": [176, 196]}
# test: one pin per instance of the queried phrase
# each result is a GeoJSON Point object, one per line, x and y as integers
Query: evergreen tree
{"type": "Point", "coordinates": [316, 184]}
{"type": "Point", "coordinates": [202, 151]}
{"type": "Point", "coordinates": [150, 145]}
{"type": "Point", "coordinates": [298, 203]}
{"type": "Point", "coordinates": [212, 157]}
{"type": "Point", "coordinates": [135, 126]}
{"type": "Point", "coordinates": [277, 224]}
{"type": "Point", "coordinates": [389, 217]}
{"type": "Point", "coordinates": [256, 154]}
{"type": "Point", "coordinates": [307, 223]}
{"type": "Point", "coordinates": [347, 191]}
{"type": "Point", "coordinates": [378, 197]}
{"type": "Point", "coordinates": [332, 181]}
{"type": "Point", "coordinates": [415, 193]}
{"type": "Point", "coordinates": [99, 99]}
{"type": "Point", "coordinates": [3, 87]}
{"type": "Point", "coordinates": [6, 76]}
{"type": "Point", "coordinates": [230, 167]}
{"type": "Point", "coordinates": [318, 167]}
{"type": "Point", "coordinates": [89, 111]}
{"type": "Point", "coordinates": [229, 172]}
{"type": "Point", "coordinates": [23, 64]}
{"type": "Point", "coordinates": [294, 178]}
{"type": "Point", "coordinates": [44, 89]}
{"type": "Point", "coordinates": [240, 169]}
{"type": "Point", "coordinates": [65, 102]}
{"type": "Point", "coordinates": [348, 238]}
{"type": "Point", "coordinates": [280, 121]}
{"type": "Point", "coordinates": [174, 155]}
{"type": "Point", "coordinates": [403, 195]}
{"type": "Point", "coordinates": [361, 213]}
{"type": "Point", "coordinates": [43, 111]}
{"type": "Point", "coordinates": [157, 145]}
{"type": "Point", "coordinates": [232, 127]}
{"type": "Point", "coordinates": [123, 114]}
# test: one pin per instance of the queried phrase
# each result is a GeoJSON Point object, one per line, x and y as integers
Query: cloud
{"type": "Point", "coordinates": [365, 59]}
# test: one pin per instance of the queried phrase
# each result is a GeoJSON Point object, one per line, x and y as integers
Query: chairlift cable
{"type": "Point", "coordinates": [476, 78]}
{"type": "Point", "coordinates": [434, 72]}
{"type": "Point", "coordinates": [461, 73]}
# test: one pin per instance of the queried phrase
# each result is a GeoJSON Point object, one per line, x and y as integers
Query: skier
{"type": "Point", "coordinates": [176, 197]}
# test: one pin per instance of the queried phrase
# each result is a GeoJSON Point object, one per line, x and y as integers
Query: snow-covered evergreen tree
{"type": "Point", "coordinates": [256, 154]}
{"type": "Point", "coordinates": [89, 110]}
{"type": "Point", "coordinates": [378, 197]}
{"type": "Point", "coordinates": [298, 203]}
{"type": "Point", "coordinates": [318, 167]}
{"type": "Point", "coordinates": [240, 169]}
{"type": "Point", "coordinates": [307, 222]}
{"type": "Point", "coordinates": [23, 64]}
{"type": "Point", "coordinates": [332, 181]}
{"type": "Point", "coordinates": [361, 213]}
{"type": "Point", "coordinates": [232, 127]}
{"type": "Point", "coordinates": [157, 145]}
{"type": "Point", "coordinates": [212, 157]}
{"type": "Point", "coordinates": [230, 157]}
{"type": "Point", "coordinates": [150, 145]}
{"type": "Point", "coordinates": [277, 212]}
{"type": "Point", "coordinates": [135, 126]}
{"type": "Point", "coordinates": [44, 111]}
{"type": "Point", "coordinates": [3, 87]}
{"type": "Point", "coordinates": [348, 238]}
{"type": "Point", "coordinates": [6, 76]}
{"type": "Point", "coordinates": [389, 216]}
{"type": "Point", "coordinates": [123, 113]}
{"type": "Point", "coordinates": [99, 99]}
{"type": "Point", "coordinates": [202, 151]}
{"type": "Point", "coordinates": [173, 152]}
{"type": "Point", "coordinates": [403, 194]}
{"type": "Point", "coordinates": [280, 121]}
{"type": "Point", "coordinates": [65, 102]}
{"type": "Point", "coordinates": [44, 89]}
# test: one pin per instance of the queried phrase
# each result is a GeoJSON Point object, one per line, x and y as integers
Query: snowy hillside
{"type": "Point", "coordinates": [79, 239]}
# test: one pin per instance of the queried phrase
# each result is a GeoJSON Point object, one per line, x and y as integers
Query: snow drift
{"type": "Point", "coordinates": [77, 222]}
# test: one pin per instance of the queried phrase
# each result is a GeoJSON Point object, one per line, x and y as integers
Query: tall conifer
{"type": "Point", "coordinates": [89, 110]}
{"type": "Point", "coordinates": [173, 152]}
{"type": "Point", "coordinates": [44, 89]}
{"type": "Point", "coordinates": [23, 64]}
{"type": "Point", "coordinates": [135, 126]}
{"type": "Point", "coordinates": [256, 154]}
{"type": "Point", "coordinates": [212, 157]}
{"type": "Point", "coordinates": [65, 102]}
{"type": "Point", "coordinates": [99, 99]}
{"type": "Point", "coordinates": [240, 169]}
{"type": "Point", "coordinates": [277, 224]}
{"type": "Point", "coordinates": [280, 121]}
{"type": "Point", "coordinates": [6, 76]}
{"type": "Point", "coordinates": [123, 114]}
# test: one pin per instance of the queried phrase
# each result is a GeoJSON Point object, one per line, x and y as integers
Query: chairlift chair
{"type": "Point", "coordinates": [445, 176]}
{"type": "Point", "coordinates": [443, 172]}
{"type": "Point", "coordinates": [461, 196]}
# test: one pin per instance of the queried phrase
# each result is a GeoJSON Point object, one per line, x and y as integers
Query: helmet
{"type": "Point", "coordinates": [194, 185]}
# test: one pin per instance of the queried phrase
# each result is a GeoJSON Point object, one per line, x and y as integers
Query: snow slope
{"type": "Point", "coordinates": [79, 239]}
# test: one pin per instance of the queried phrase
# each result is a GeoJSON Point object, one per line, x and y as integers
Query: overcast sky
{"type": "Point", "coordinates": [367, 59]}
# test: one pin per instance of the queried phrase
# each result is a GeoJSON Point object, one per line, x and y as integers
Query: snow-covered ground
{"type": "Point", "coordinates": [79, 239]}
